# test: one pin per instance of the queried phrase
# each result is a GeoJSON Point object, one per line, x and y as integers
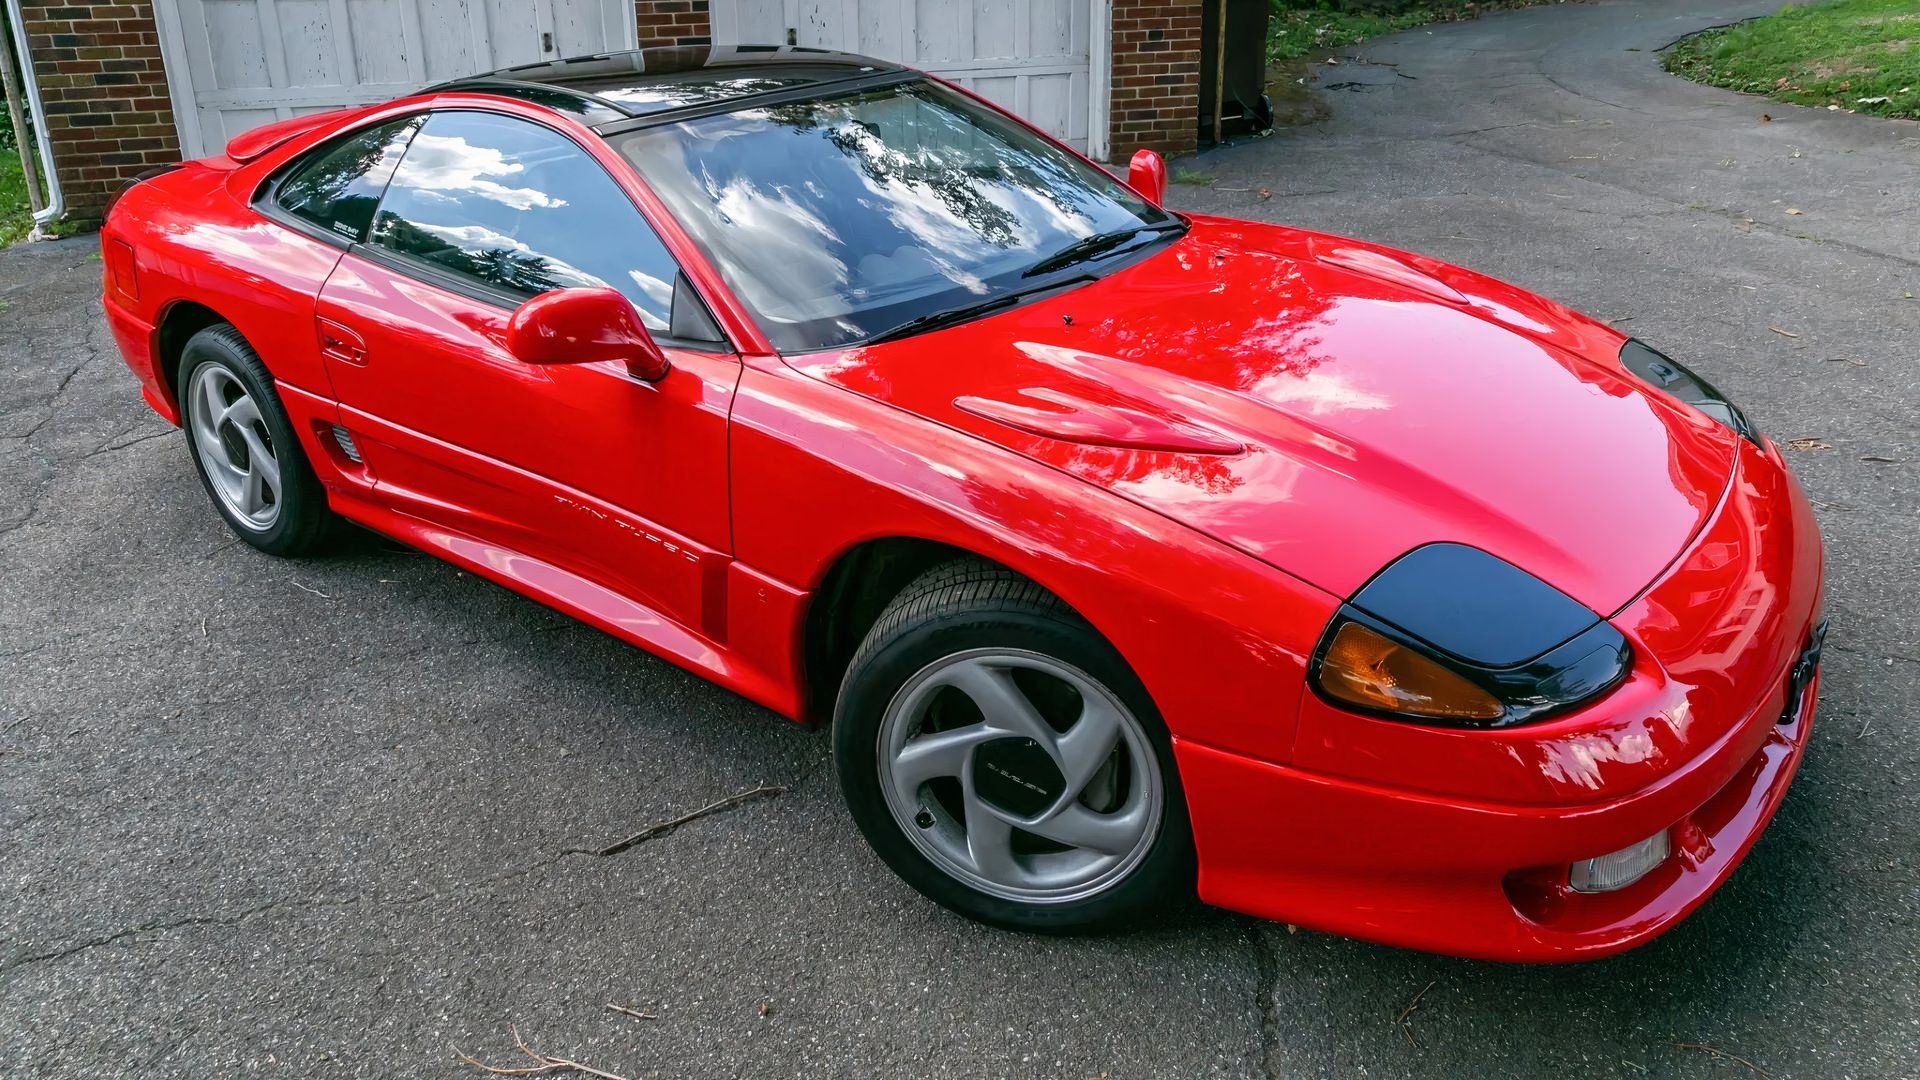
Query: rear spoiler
{"type": "Point", "coordinates": [251, 144]}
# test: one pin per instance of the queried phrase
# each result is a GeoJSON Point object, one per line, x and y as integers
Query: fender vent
{"type": "Point", "coordinates": [345, 439]}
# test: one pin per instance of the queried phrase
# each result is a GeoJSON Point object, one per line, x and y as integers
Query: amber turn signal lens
{"type": "Point", "coordinates": [1364, 668]}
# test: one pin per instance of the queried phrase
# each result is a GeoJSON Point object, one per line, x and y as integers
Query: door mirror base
{"type": "Point", "coordinates": [1147, 176]}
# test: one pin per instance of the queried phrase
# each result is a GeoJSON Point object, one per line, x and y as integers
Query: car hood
{"type": "Point", "coordinates": [1327, 405]}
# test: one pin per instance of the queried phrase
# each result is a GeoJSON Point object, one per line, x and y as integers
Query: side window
{"type": "Point", "coordinates": [337, 186]}
{"type": "Point", "coordinates": [522, 208]}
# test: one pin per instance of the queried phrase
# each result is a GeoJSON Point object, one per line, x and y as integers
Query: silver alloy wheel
{"type": "Point", "coordinates": [1092, 803]}
{"type": "Point", "coordinates": [234, 446]}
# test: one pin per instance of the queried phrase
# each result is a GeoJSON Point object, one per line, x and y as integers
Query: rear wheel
{"type": "Point", "coordinates": [245, 449]}
{"type": "Point", "coordinates": [999, 756]}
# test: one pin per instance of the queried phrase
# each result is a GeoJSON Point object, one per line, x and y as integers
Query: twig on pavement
{"type": "Point", "coordinates": [543, 1065]}
{"type": "Point", "coordinates": [1719, 1053]}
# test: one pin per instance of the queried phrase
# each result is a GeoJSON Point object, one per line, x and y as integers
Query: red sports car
{"type": "Point", "coordinates": [1129, 553]}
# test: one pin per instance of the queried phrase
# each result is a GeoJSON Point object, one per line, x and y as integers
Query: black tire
{"type": "Point", "coordinates": [302, 521]}
{"type": "Point", "coordinates": [970, 605]}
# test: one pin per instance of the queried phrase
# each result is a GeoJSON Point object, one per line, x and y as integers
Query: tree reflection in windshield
{"type": "Point", "coordinates": [835, 219]}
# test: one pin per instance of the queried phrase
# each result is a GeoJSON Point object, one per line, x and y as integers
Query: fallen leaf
{"type": "Point", "coordinates": [1808, 444]}
{"type": "Point", "coordinates": [1265, 194]}
{"type": "Point", "coordinates": [1765, 118]}
{"type": "Point", "coordinates": [1794, 211]}
{"type": "Point", "coordinates": [1783, 333]}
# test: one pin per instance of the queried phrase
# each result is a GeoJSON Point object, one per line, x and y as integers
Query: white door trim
{"type": "Point", "coordinates": [173, 60]}
{"type": "Point", "coordinates": [1099, 77]}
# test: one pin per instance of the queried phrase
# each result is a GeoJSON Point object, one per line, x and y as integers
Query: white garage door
{"type": "Point", "coordinates": [1030, 56]}
{"type": "Point", "coordinates": [237, 64]}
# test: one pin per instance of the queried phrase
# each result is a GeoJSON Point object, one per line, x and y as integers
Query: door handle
{"type": "Point", "coordinates": [339, 343]}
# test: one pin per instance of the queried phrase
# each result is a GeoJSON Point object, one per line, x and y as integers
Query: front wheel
{"type": "Point", "coordinates": [245, 449]}
{"type": "Point", "coordinates": [1000, 756]}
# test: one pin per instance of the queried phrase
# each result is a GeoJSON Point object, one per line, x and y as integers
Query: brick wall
{"type": "Point", "coordinates": [1156, 77]}
{"type": "Point", "coordinates": [672, 22]}
{"type": "Point", "coordinates": [107, 110]}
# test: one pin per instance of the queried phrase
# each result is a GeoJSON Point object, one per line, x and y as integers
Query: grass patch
{"type": "Point", "coordinates": [1301, 28]}
{"type": "Point", "coordinates": [1862, 55]}
{"type": "Point", "coordinates": [15, 218]}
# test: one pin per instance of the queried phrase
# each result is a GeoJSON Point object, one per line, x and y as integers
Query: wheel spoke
{"type": "Point", "coordinates": [243, 413]}
{"type": "Point", "coordinates": [940, 754]}
{"type": "Point", "coordinates": [252, 501]}
{"type": "Point", "coordinates": [1001, 701]}
{"type": "Point", "coordinates": [989, 840]}
{"type": "Point", "coordinates": [1089, 742]}
{"type": "Point", "coordinates": [1077, 826]}
{"type": "Point", "coordinates": [260, 460]}
{"type": "Point", "coordinates": [215, 404]}
{"type": "Point", "coordinates": [208, 443]}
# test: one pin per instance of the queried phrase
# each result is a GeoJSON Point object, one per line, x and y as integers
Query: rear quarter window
{"type": "Point", "coordinates": [336, 186]}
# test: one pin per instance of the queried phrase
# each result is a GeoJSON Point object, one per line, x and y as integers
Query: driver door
{"type": "Point", "coordinates": [581, 467]}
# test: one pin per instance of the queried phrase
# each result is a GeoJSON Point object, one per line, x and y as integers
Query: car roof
{"type": "Point", "coordinates": [665, 83]}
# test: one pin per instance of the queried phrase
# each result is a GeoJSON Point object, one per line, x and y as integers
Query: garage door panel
{"type": "Point", "coordinates": [234, 44]}
{"type": "Point", "coordinates": [383, 42]}
{"type": "Point", "coordinates": [514, 28]}
{"type": "Point", "coordinates": [236, 64]}
{"type": "Point", "coordinates": [996, 31]}
{"type": "Point", "coordinates": [1049, 101]}
{"type": "Point", "coordinates": [1002, 90]}
{"type": "Point", "coordinates": [316, 62]}
{"type": "Point", "coordinates": [886, 28]}
{"type": "Point", "coordinates": [1030, 56]}
{"type": "Point", "coordinates": [943, 33]}
{"type": "Point", "coordinates": [447, 39]}
{"type": "Point", "coordinates": [1052, 29]}
{"type": "Point", "coordinates": [224, 124]}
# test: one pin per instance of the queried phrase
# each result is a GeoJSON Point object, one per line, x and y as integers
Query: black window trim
{"type": "Point", "coordinates": [266, 202]}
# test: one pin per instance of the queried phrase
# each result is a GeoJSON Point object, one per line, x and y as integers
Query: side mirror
{"type": "Point", "coordinates": [1147, 176]}
{"type": "Point", "coordinates": [584, 326]}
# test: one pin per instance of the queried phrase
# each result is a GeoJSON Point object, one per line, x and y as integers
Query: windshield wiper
{"type": "Point", "coordinates": [1092, 247]}
{"type": "Point", "coordinates": [935, 320]}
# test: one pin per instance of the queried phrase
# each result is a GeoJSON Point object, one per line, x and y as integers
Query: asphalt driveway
{"type": "Point", "coordinates": [316, 818]}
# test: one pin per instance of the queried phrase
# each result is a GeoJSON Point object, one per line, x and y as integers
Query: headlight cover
{"type": "Point", "coordinates": [1672, 378]}
{"type": "Point", "coordinates": [1452, 636]}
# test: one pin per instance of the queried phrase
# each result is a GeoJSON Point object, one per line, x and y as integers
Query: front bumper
{"type": "Point", "coordinates": [1460, 841]}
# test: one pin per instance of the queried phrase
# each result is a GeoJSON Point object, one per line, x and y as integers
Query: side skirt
{"type": "Point", "coordinates": [763, 668]}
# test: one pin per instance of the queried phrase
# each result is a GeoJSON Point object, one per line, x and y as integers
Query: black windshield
{"type": "Point", "coordinates": [838, 219]}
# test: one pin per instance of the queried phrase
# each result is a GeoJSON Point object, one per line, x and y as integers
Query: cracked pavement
{"type": "Point", "coordinates": [315, 818]}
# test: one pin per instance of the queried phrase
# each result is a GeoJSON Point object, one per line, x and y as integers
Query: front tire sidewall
{"type": "Point", "coordinates": [1164, 876]}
